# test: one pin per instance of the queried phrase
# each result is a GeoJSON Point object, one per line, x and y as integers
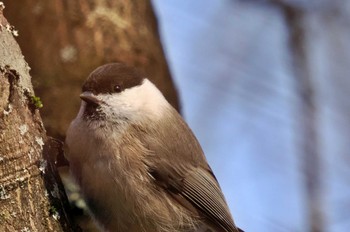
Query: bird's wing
{"type": "Point", "coordinates": [202, 190]}
{"type": "Point", "coordinates": [199, 188]}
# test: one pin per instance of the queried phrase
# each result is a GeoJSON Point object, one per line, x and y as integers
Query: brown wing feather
{"type": "Point", "coordinates": [202, 190]}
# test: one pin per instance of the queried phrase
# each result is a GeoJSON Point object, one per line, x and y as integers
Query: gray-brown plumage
{"type": "Point", "coordinates": [138, 164]}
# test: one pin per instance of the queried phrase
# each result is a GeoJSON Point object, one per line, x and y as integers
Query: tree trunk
{"type": "Point", "coordinates": [30, 191]}
{"type": "Point", "coordinates": [63, 41]}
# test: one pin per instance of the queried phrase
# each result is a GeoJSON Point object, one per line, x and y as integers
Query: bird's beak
{"type": "Point", "coordinates": [89, 97]}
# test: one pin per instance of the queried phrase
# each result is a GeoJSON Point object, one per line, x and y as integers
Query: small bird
{"type": "Point", "coordinates": [138, 164]}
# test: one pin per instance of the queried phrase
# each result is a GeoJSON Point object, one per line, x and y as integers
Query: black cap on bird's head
{"type": "Point", "coordinates": [112, 78]}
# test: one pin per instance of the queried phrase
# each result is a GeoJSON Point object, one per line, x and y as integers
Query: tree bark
{"type": "Point", "coordinates": [63, 41]}
{"type": "Point", "coordinates": [30, 191]}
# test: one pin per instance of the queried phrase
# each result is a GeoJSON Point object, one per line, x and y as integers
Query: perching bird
{"type": "Point", "coordinates": [139, 166]}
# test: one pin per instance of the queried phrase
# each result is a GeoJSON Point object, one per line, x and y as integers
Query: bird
{"type": "Point", "coordinates": [139, 166]}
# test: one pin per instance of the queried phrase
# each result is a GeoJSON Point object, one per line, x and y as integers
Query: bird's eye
{"type": "Point", "coordinates": [117, 88]}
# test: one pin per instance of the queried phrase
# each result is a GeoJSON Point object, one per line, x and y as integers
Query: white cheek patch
{"type": "Point", "coordinates": [139, 101]}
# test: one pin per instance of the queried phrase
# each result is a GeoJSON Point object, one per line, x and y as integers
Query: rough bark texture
{"type": "Point", "coordinates": [63, 41]}
{"type": "Point", "coordinates": [30, 195]}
